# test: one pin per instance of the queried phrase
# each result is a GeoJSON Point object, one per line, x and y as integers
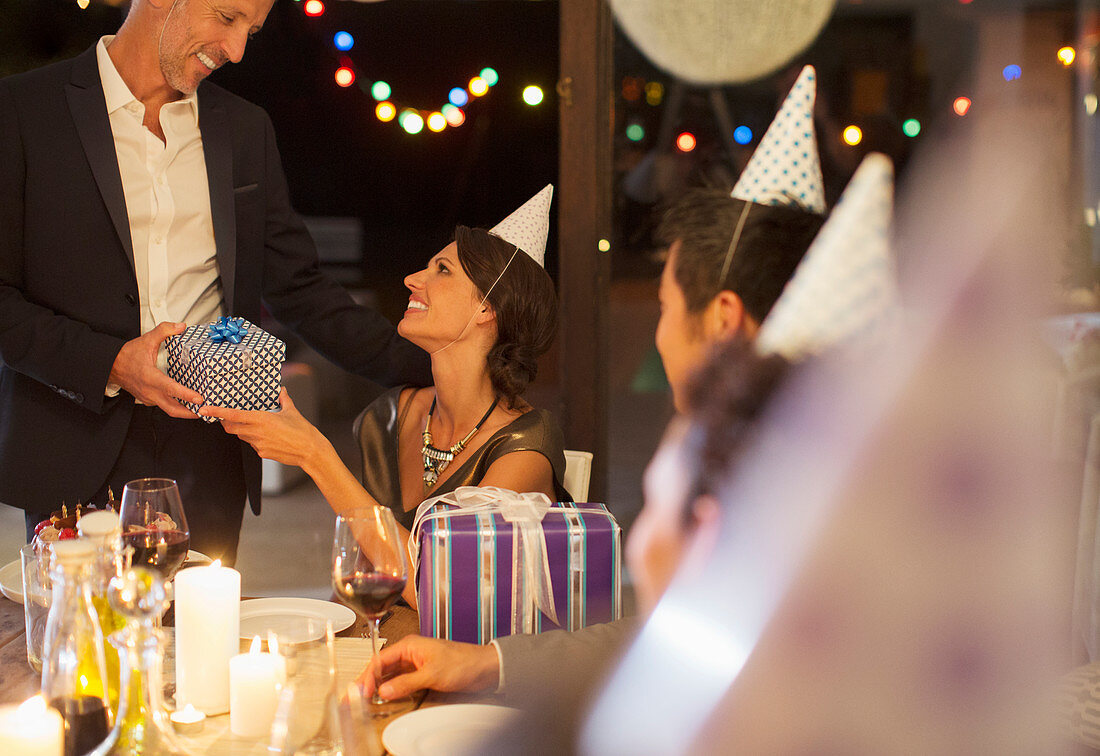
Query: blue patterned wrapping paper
{"type": "Point", "coordinates": [240, 376]}
{"type": "Point", "coordinates": [464, 584]}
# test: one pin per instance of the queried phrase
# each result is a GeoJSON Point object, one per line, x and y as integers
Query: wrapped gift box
{"type": "Point", "coordinates": [465, 579]}
{"type": "Point", "coordinates": [231, 362]}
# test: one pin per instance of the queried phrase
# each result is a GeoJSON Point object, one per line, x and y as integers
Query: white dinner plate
{"type": "Point", "coordinates": [258, 616]}
{"type": "Point", "coordinates": [11, 575]}
{"type": "Point", "coordinates": [454, 729]}
{"type": "Point", "coordinates": [11, 581]}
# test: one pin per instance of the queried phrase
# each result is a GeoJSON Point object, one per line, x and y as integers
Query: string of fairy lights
{"type": "Point", "coordinates": [451, 114]}
{"type": "Point", "coordinates": [634, 89]}
{"type": "Point", "coordinates": [412, 119]}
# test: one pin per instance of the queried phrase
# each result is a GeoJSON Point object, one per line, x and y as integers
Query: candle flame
{"type": "Point", "coordinates": [216, 563]}
{"type": "Point", "coordinates": [33, 706]}
{"type": "Point", "coordinates": [83, 683]}
{"type": "Point", "coordinates": [272, 643]}
{"type": "Point", "coordinates": [255, 649]}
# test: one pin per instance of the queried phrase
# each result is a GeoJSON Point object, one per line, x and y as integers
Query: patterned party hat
{"type": "Point", "coordinates": [846, 286]}
{"type": "Point", "coordinates": [786, 169]}
{"type": "Point", "coordinates": [528, 226]}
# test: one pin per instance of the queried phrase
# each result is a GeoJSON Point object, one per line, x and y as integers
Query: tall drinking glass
{"type": "Point", "coordinates": [369, 573]}
{"type": "Point", "coordinates": [307, 719]}
{"type": "Point", "coordinates": [153, 524]}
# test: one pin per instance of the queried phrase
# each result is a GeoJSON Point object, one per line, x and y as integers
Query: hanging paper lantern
{"type": "Point", "coordinates": [710, 42]}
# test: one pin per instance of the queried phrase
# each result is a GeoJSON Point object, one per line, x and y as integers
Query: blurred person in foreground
{"type": "Point", "coordinates": [892, 573]}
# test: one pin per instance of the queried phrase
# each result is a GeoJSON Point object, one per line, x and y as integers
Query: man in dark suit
{"type": "Point", "coordinates": [135, 198]}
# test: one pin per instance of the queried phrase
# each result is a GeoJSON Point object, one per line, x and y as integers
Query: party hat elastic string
{"type": "Point", "coordinates": [481, 304]}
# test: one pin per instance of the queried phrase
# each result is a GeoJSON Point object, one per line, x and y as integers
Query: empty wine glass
{"type": "Point", "coordinates": [154, 526]}
{"type": "Point", "coordinates": [369, 573]}
{"type": "Point", "coordinates": [307, 719]}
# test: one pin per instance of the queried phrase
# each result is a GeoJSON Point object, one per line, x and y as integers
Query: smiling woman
{"type": "Point", "coordinates": [523, 301]}
{"type": "Point", "coordinates": [485, 310]}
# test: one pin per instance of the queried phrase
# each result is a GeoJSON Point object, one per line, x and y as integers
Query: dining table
{"type": "Point", "coordinates": [363, 734]}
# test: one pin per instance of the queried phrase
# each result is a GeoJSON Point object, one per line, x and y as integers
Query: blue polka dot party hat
{"type": "Point", "coordinates": [845, 289]}
{"type": "Point", "coordinates": [528, 226]}
{"type": "Point", "coordinates": [785, 169]}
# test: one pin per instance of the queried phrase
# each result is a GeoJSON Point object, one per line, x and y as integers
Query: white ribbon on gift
{"type": "Point", "coordinates": [532, 586]}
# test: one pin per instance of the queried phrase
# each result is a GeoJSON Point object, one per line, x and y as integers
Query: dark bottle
{"type": "Point", "coordinates": [74, 670]}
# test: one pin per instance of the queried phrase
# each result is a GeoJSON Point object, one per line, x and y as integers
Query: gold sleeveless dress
{"type": "Point", "coordinates": [377, 429]}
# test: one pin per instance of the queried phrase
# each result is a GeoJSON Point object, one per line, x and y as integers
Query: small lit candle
{"type": "Point", "coordinates": [30, 729]}
{"type": "Point", "coordinates": [254, 682]}
{"type": "Point", "coordinates": [208, 626]}
{"type": "Point", "coordinates": [188, 720]}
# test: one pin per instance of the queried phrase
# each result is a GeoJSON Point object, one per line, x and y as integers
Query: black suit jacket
{"type": "Point", "coordinates": [68, 294]}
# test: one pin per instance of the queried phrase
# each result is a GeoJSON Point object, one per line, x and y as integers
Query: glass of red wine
{"type": "Point", "coordinates": [154, 526]}
{"type": "Point", "coordinates": [369, 573]}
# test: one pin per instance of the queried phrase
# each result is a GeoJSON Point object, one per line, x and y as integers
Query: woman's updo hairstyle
{"type": "Point", "coordinates": [525, 304]}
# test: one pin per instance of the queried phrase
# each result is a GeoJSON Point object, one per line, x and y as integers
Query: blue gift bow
{"type": "Point", "coordinates": [227, 329]}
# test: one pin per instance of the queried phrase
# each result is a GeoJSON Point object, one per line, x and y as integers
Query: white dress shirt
{"type": "Point", "coordinates": [168, 204]}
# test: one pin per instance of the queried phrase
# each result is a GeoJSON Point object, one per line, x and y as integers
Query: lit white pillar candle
{"type": "Point", "coordinates": [30, 729]}
{"type": "Point", "coordinates": [208, 626]}
{"type": "Point", "coordinates": [254, 682]}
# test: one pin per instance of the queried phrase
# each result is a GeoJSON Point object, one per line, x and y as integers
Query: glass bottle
{"type": "Point", "coordinates": [102, 529]}
{"type": "Point", "coordinates": [73, 668]}
{"type": "Point", "coordinates": [142, 725]}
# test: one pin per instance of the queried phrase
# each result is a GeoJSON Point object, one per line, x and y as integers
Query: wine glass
{"type": "Point", "coordinates": [369, 573]}
{"type": "Point", "coordinates": [154, 526]}
{"type": "Point", "coordinates": [307, 719]}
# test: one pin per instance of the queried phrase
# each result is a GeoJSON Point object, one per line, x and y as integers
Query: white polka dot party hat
{"type": "Point", "coordinates": [785, 169]}
{"type": "Point", "coordinates": [528, 226]}
{"type": "Point", "coordinates": [845, 288]}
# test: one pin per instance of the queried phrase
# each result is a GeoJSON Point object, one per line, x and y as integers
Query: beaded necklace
{"type": "Point", "coordinates": [436, 460]}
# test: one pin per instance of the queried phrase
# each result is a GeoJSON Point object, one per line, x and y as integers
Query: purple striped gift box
{"type": "Point", "coordinates": [465, 578]}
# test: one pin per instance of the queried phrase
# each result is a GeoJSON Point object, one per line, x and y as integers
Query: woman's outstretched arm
{"type": "Point", "coordinates": [287, 437]}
